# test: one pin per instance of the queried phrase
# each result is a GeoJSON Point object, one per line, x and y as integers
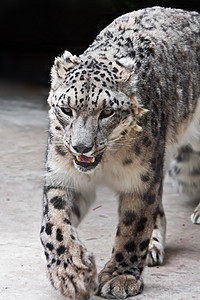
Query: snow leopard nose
{"type": "Point", "coordinates": [82, 149]}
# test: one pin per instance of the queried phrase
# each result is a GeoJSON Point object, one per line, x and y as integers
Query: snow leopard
{"type": "Point", "coordinates": [122, 114]}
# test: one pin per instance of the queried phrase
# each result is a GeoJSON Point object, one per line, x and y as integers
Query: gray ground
{"type": "Point", "coordinates": [23, 133]}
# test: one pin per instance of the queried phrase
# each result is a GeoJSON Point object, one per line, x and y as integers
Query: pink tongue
{"type": "Point", "coordinates": [84, 158]}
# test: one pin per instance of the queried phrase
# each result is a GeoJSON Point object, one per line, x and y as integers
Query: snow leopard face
{"type": "Point", "coordinates": [91, 115]}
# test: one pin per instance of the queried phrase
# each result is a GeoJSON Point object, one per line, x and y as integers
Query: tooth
{"type": "Point", "coordinates": [93, 160]}
{"type": "Point", "coordinates": [78, 158]}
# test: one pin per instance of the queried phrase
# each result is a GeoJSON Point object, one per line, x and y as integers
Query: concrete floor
{"type": "Point", "coordinates": [23, 133]}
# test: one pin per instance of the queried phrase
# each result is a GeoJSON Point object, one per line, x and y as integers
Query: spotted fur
{"type": "Point", "coordinates": [118, 115]}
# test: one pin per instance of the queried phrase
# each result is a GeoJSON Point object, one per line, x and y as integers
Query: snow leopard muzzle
{"type": "Point", "coordinates": [85, 163]}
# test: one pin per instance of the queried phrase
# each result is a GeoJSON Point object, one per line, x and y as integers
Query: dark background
{"type": "Point", "coordinates": [33, 32]}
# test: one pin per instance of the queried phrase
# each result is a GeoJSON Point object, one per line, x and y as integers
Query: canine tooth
{"type": "Point", "coordinates": [93, 160]}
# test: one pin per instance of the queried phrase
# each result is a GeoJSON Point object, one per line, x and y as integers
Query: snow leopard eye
{"type": "Point", "coordinates": [67, 111]}
{"type": "Point", "coordinates": [106, 113]}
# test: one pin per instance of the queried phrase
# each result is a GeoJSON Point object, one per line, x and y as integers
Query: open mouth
{"type": "Point", "coordinates": [86, 163]}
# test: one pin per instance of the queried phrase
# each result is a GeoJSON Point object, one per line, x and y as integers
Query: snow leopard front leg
{"type": "Point", "coordinates": [138, 214]}
{"type": "Point", "coordinates": [71, 268]}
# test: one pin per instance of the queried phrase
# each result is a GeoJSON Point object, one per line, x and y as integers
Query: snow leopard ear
{"type": "Point", "coordinates": [124, 68]}
{"type": "Point", "coordinates": [60, 67]}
